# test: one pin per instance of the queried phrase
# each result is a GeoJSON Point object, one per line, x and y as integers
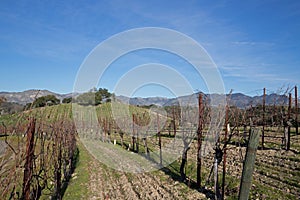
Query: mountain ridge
{"type": "Point", "coordinates": [236, 99]}
{"type": "Point", "coordinates": [28, 96]}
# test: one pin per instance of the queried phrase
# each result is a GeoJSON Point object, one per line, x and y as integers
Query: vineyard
{"type": "Point", "coordinates": [116, 151]}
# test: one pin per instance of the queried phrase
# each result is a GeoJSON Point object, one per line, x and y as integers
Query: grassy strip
{"type": "Point", "coordinates": [77, 188]}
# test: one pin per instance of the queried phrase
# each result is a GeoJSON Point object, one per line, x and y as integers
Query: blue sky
{"type": "Point", "coordinates": [254, 44]}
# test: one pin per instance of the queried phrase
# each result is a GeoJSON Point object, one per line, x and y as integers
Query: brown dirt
{"type": "Point", "coordinates": [106, 183]}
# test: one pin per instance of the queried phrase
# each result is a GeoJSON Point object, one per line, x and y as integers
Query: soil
{"type": "Point", "coordinates": [106, 183]}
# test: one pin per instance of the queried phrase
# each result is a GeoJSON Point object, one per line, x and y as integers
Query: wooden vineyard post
{"type": "Point", "coordinates": [109, 132]}
{"type": "Point", "coordinates": [159, 140]}
{"type": "Point", "coordinates": [106, 129]}
{"type": "Point", "coordinates": [248, 166]}
{"type": "Point", "coordinates": [199, 139]}
{"type": "Point", "coordinates": [137, 135]}
{"type": "Point", "coordinates": [245, 132]}
{"type": "Point", "coordinates": [263, 120]}
{"type": "Point", "coordinates": [227, 129]}
{"type": "Point", "coordinates": [174, 122]}
{"type": "Point", "coordinates": [296, 109]}
{"type": "Point", "coordinates": [147, 152]}
{"type": "Point", "coordinates": [288, 144]}
{"type": "Point", "coordinates": [133, 134]}
{"type": "Point", "coordinates": [28, 167]}
{"type": "Point", "coordinates": [216, 180]}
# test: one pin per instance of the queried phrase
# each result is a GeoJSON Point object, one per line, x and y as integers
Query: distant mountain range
{"type": "Point", "coordinates": [28, 96]}
{"type": "Point", "coordinates": [238, 99]}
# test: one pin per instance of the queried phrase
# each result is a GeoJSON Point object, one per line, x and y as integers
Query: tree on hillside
{"type": "Point", "coordinates": [67, 100]}
{"type": "Point", "coordinates": [48, 100]}
{"type": "Point", "coordinates": [94, 97]}
{"type": "Point", "coordinates": [89, 98]}
{"type": "Point", "coordinates": [104, 93]}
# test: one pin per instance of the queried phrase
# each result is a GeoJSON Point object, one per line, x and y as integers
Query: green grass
{"type": "Point", "coordinates": [77, 188]}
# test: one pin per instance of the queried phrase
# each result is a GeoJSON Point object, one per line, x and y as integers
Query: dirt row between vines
{"type": "Point", "coordinates": [106, 183]}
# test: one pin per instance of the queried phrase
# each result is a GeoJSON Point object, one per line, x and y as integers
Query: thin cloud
{"type": "Point", "coordinates": [251, 43]}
